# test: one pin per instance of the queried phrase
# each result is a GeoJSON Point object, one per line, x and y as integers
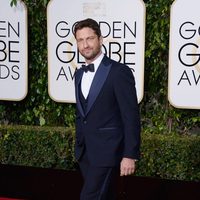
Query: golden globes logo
{"type": "Point", "coordinates": [184, 55]}
{"type": "Point", "coordinates": [123, 40]}
{"type": "Point", "coordinates": [9, 50]}
{"type": "Point", "coordinates": [191, 50]}
{"type": "Point", "coordinates": [68, 55]}
{"type": "Point", "coordinates": [13, 51]}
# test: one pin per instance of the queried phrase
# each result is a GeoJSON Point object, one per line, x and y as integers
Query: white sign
{"type": "Point", "coordinates": [123, 28]}
{"type": "Point", "coordinates": [13, 51]}
{"type": "Point", "coordinates": [184, 55]}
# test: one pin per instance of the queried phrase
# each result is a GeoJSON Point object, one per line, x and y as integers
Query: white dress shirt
{"type": "Point", "coordinates": [89, 76]}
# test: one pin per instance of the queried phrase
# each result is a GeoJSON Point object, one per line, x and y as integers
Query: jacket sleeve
{"type": "Point", "coordinates": [125, 92]}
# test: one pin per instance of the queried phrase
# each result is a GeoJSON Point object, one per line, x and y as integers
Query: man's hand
{"type": "Point", "coordinates": [127, 166]}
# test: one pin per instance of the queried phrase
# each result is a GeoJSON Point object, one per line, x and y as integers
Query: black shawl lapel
{"type": "Point", "coordinates": [77, 83]}
{"type": "Point", "coordinates": [98, 82]}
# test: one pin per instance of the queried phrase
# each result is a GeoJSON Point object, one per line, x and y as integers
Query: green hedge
{"type": "Point", "coordinates": [163, 156]}
{"type": "Point", "coordinates": [48, 147]}
{"type": "Point", "coordinates": [170, 156]}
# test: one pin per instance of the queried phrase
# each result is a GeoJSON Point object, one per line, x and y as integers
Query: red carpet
{"type": "Point", "coordinates": [1, 198]}
{"type": "Point", "coordinates": [25, 183]}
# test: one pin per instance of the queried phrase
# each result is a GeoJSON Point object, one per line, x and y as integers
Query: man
{"type": "Point", "coordinates": [107, 116]}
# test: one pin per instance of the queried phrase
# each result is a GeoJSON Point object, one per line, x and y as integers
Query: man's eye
{"type": "Point", "coordinates": [91, 38]}
{"type": "Point", "coordinates": [79, 40]}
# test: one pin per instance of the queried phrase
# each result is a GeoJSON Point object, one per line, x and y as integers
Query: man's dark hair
{"type": "Point", "coordinates": [87, 23]}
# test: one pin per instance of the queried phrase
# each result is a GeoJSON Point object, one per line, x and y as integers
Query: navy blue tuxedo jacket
{"type": "Point", "coordinates": [109, 129]}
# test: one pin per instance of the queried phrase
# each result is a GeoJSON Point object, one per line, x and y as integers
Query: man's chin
{"type": "Point", "coordinates": [89, 57]}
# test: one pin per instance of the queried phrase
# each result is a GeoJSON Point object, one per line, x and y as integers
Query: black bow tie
{"type": "Point", "coordinates": [89, 67]}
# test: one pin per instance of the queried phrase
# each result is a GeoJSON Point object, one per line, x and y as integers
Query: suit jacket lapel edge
{"type": "Point", "coordinates": [98, 82]}
{"type": "Point", "coordinates": [78, 82]}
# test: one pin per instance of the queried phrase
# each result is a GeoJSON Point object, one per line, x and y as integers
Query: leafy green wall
{"type": "Point", "coordinates": [158, 116]}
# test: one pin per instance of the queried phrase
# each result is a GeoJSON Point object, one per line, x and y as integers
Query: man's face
{"type": "Point", "coordinates": [89, 45]}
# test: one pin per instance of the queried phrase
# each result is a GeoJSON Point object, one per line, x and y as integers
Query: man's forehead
{"type": "Point", "coordinates": [85, 32]}
{"type": "Point", "coordinates": [86, 29]}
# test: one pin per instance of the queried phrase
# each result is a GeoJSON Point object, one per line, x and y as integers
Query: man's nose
{"type": "Point", "coordinates": [85, 43]}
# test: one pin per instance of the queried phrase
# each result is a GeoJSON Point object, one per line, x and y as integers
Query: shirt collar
{"type": "Point", "coordinates": [98, 61]}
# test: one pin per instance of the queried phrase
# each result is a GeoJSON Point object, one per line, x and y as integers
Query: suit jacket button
{"type": "Point", "coordinates": [85, 122]}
